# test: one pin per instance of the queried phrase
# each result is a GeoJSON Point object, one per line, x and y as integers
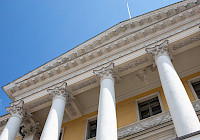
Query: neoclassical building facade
{"type": "Point", "coordinates": [138, 80]}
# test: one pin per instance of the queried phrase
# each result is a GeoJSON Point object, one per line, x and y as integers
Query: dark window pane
{"type": "Point", "coordinates": [149, 108]}
{"type": "Point", "coordinates": [196, 87]}
{"type": "Point", "coordinates": [155, 100]}
{"type": "Point", "coordinates": [92, 133]}
{"type": "Point", "coordinates": [145, 114]}
{"type": "Point", "coordinates": [156, 109]}
{"type": "Point", "coordinates": [60, 136]}
{"type": "Point", "coordinates": [92, 129]}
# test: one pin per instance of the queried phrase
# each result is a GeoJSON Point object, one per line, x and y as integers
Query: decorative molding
{"type": "Point", "coordinates": [3, 123]}
{"type": "Point", "coordinates": [133, 64]}
{"type": "Point", "coordinates": [186, 42]}
{"type": "Point", "coordinates": [144, 124]}
{"type": "Point", "coordinates": [159, 50]}
{"type": "Point", "coordinates": [107, 72]}
{"type": "Point", "coordinates": [17, 110]}
{"type": "Point", "coordinates": [150, 122]}
{"type": "Point", "coordinates": [92, 47]}
{"type": "Point", "coordinates": [61, 92]}
{"type": "Point", "coordinates": [71, 109]}
{"type": "Point", "coordinates": [196, 105]}
{"type": "Point", "coordinates": [30, 127]}
{"type": "Point", "coordinates": [84, 84]}
{"type": "Point", "coordinates": [142, 73]}
{"type": "Point", "coordinates": [40, 102]}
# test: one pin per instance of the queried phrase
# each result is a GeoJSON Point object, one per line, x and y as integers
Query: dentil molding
{"type": "Point", "coordinates": [98, 48]}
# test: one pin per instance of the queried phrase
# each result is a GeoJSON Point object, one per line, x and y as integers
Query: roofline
{"type": "Point", "coordinates": [92, 38]}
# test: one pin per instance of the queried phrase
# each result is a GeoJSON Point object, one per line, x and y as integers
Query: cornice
{"type": "Point", "coordinates": [122, 55]}
{"type": "Point", "coordinates": [112, 39]}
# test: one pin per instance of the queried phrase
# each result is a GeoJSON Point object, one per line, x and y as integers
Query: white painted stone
{"type": "Point", "coordinates": [51, 130]}
{"type": "Point", "coordinates": [196, 137]}
{"type": "Point", "coordinates": [11, 128]}
{"type": "Point", "coordinates": [183, 114]}
{"type": "Point", "coordinates": [106, 121]}
{"type": "Point", "coordinates": [184, 117]}
{"type": "Point", "coordinates": [53, 123]}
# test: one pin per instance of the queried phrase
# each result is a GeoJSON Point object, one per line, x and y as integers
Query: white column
{"type": "Point", "coordinates": [13, 124]}
{"type": "Point", "coordinates": [51, 130]}
{"type": "Point", "coordinates": [106, 121]}
{"type": "Point", "coordinates": [183, 114]}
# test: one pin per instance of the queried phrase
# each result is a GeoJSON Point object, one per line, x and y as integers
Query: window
{"type": "Point", "coordinates": [61, 133]}
{"type": "Point", "coordinates": [195, 86]}
{"type": "Point", "coordinates": [91, 127]}
{"type": "Point", "coordinates": [149, 106]}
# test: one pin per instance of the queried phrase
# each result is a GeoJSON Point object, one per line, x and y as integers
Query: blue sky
{"type": "Point", "coordinates": [33, 32]}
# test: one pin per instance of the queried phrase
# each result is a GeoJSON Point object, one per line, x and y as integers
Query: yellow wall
{"type": "Point", "coordinates": [126, 112]}
{"type": "Point", "coordinates": [74, 130]}
{"type": "Point", "coordinates": [18, 138]}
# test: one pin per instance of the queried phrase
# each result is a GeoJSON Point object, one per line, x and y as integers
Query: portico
{"type": "Point", "coordinates": [134, 78]}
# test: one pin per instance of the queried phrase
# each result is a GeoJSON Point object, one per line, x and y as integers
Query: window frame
{"type": "Point", "coordinates": [62, 130]}
{"type": "Point", "coordinates": [148, 97]}
{"type": "Point", "coordinates": [87, 126]}
{"type": "Point", "coordinates": [190, 81]}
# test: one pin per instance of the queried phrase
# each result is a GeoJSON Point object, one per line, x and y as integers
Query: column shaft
{"type": "Point", "coordinates": [107, 122]}
{"type": "Point", "coordinates": [11, 128]}
{"type": "Point", "coordinates": [184, 117]}
{"type": "Point", "coordinates": [51, 130]}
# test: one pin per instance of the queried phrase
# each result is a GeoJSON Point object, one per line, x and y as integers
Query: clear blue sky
{"type": "Point", "coordinates": [33, 32]}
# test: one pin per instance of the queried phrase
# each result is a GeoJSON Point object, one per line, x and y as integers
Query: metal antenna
{"type": "Point", "coordinates": [128, 10]}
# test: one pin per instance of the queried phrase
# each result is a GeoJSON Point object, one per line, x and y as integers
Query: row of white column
{"type": "Point", "coordinates": [183, 114]}
{"type": "Point", "coordinates": [51, 130]}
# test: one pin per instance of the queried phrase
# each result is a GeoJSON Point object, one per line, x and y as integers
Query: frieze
{"type": "Point", "coordinates": [133, 64]}
{"type": "Point", "coordinates": [150, 122]}
{"type": "Point", "coordinates": [142, 73]}
{"type": "Point", "coordinates": [87, 47]}
{"type": "Point", "coordinates": [84, 84]}
{"type": "Point", "coordinates": [70, 108]}
{"type": "Point", "coordinates": [186, 42]}
{"type": "Point", "coordinates": [163, 37]}
{"type": "Point", "coordinates": [144, 124]}
{"type": "Point", "coordinates": [40, 102]}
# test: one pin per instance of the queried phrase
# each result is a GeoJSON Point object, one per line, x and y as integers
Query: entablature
{"type": "Point", "coordinates": [117, 42]}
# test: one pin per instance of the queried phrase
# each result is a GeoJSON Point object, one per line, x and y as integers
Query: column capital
{"type": "Point", "coordinates": [32, 128]}
{"type": "Point", "coordinates": [16, 110]}
{"type": "Point", "coordinates": [106, 73]}
{"type": "Point", "coordinates": [159, 50]}
{"type": "Point", "coordinates": [61, 92]}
